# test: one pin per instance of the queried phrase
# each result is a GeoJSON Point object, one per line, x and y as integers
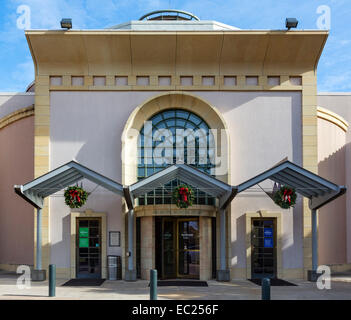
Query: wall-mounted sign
{"type": "Point", "coordinates": [268, 242]}
{"type": "Point", "coordinates": [268, 232]}
{"type": "Point", "coordinates": [83, 232]}
{"type": "Point", "coordinates": [114, 239]}
{"type": "Point", "coordinates": [83, 242]}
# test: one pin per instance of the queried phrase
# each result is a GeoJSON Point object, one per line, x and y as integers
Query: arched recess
{"type": "Point", "coordinates": [173, 100]}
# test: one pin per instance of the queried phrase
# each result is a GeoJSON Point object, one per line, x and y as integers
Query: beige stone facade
{"type": "Point", "coordinates": [111, 81]}
{"type": "Point", "coordinates": [207, 43]}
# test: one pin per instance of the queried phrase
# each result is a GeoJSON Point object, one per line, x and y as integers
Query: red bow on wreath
{"type": "Point", "coordinates": [287, 195]}
{"type": "Point", "coordinates": [74, 194]}
{"type": "Point", "coordinates": [184, 193]}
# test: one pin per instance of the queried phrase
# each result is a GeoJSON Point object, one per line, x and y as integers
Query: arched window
{"type": "Point", "coordinates": [172, 120]}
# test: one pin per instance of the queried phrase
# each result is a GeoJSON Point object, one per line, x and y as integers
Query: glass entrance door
{"type": "Point", "coordinates": [169, 248]}
{"type": "Point", "coordinates": [88, 248]}
{"type": "Point", "coordinates": [188, 248]}
{"type": "Point", "coordinates": [263, 248]}
{"type": "Point", "coordinates": [180, 248]}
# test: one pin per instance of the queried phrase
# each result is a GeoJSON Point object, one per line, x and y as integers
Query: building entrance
{"type": "Point", "coordinates": [88, 248]}
{"type": "Point", "coordinates": [263, 248]}
{"type": "Point", "coordinates": [178, 248]}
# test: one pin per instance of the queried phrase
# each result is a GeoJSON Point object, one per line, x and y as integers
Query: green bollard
{"type": "Point", "coordinates": [153, 284]}
{"type": "Point", "coordinates": [52, 280]}
{"type": "Point", "coordinates": [266, 289]}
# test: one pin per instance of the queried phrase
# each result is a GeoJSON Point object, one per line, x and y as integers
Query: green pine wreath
{"type": "Point", "coordinates": [183, 196]}
{"type": "Point", "coordinates": [285, 197]}
{"type": "Point", "coordinates": [75, 197]}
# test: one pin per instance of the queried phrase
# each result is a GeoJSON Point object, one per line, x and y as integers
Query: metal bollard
{"type": "Point", "coordinates": [52, 280]}
{"type": "Point", "coordinates": [266, 289]}
{"type": "Point", "coordinates": [153, 284]}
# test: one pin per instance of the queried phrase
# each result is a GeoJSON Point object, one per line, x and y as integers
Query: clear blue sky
{"type": "Point", "coordinates": [334, 71]}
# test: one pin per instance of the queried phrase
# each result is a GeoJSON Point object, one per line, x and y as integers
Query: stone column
{"type": "Point", "coordinates": [38, 274]}
{"type": "Point", "coordinates": [205, 248]}
{"type": "Point", "coordinates": [39, 242]}
{"type": "Point", "coordinates": [223, 274]}
{"type": "Point", "coordinates": [312, 274]}
{"type": "Point", "coordinates": [147, 246]}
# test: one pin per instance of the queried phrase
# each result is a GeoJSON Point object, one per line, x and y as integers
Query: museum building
{"type": "Point", "coordinates": [182, 131]}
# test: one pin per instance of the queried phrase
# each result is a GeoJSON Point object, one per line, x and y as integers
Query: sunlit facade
{"type": "Point", "coordinates": [110, 99]}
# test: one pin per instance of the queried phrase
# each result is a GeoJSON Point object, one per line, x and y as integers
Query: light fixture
{"type": "Point", "coordinates": [66, 23]}
{"type": "Point", "coordinates": [291, 23]}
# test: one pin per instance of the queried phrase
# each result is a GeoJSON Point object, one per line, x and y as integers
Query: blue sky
{"type": "Point", "coordinates": [334, 70]}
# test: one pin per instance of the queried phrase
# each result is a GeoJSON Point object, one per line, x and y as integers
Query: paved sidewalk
{"type": "Point", "coordinates": [121, 290]}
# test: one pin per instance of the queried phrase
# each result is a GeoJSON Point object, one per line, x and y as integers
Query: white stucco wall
{"type": "Point", "coordinates": [264, 128]}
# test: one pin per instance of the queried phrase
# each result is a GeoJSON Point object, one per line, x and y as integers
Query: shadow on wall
{"type": "Point", "coordinates": [16, 167]}
{"type": "Point", "coordinates": [332, 236]}
{"type": "Point", "coordinates": [101, 154]}
{"type": "Point", "coordinates": [296, 132]}
{"type": "Point", "coordinates": [90, 154]}
{"type": "Point", "coordinates": [291, 254]}
{"type": "Point", "coordinates": [16, 215]}
{"type": "Point", "coordinates": [60, 252]}
{"type": "Point", "coordinates": [95, 155]}
{"type": "Point", "coordinates": [239, 251]}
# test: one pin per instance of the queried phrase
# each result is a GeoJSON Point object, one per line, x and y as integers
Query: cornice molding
{"type": "Point", "coordinates": [332, 117]}
{"type": "Point", "coordinates": [16, 115]}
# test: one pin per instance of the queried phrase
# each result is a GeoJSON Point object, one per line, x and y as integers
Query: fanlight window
{"type": "Point", "coordinates": [197, 151]}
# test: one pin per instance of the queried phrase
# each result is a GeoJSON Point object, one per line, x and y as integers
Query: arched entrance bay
{"type": "Point", "coordinates": [179, 108]}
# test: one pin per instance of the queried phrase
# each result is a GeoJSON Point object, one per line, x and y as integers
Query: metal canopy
{"type": "Point", "coordinates": [319, 190]}
{"type": "Point", "coordinates": [196, 178]}
{"type": "Point", "coordinates": [35, 191]}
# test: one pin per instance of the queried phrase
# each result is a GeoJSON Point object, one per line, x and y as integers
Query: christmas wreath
{"type": "Point", "coordinates": [75, 197]}
{"type": "Point", "coordinates": [183, 196]}
{"type": "Point", "coordinates": [285, 197]}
